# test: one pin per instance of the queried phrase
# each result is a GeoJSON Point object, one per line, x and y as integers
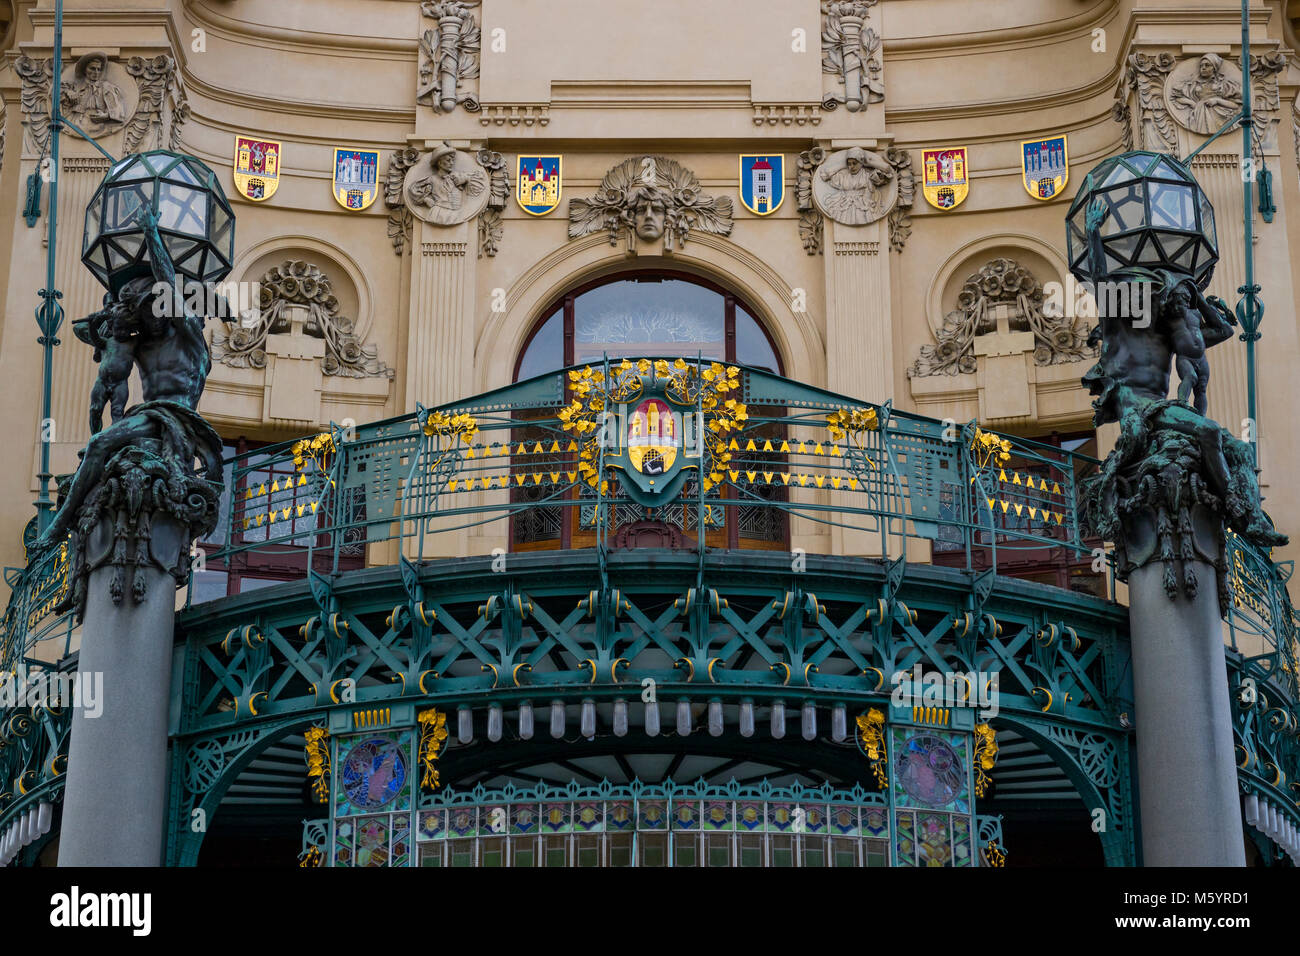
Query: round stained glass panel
{"type": "Point", "coordinates": [930, 771]}
{"type": "Point", "coordinates": [374, 773]}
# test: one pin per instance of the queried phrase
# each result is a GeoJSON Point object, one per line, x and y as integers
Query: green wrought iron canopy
{"type": "Point", "coordinates": [1157, 217]}
{"type": "Point", "coordinates": [194, 219]}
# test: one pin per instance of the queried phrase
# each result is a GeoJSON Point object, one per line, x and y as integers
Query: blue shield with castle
{"type": "Point", "coordinates": [1044, 167]}
{"type": "Point", "coordinates": [356, 177]}
{"type": "Point", "coordinates": [539, 181]}
{"type": "Point", "coordinates": [762, 183]}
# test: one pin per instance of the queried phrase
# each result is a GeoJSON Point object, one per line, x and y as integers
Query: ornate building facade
{"type": "Point", "coordinates": [864, 197]}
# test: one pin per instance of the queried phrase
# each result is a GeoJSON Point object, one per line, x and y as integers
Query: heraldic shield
{"type": "Point", "coordinates": [540, 181]}
{"type": "Point", "coordinates": [762, 183]}
{"type": "Point", "coordinates": [946, 177]}
{"type": "Point", "coordinates": [356, 177]}
{"type": "Point", "coordinates": [257, 167]}
{"type": "Point", "coordinates": [1044, 167]}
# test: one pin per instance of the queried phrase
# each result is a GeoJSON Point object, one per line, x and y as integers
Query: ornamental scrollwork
{"type": "Point", "coordinates": [1001, 282]}
{"type": "Point", "coordinates": [297, 282]}
{"type": "Point", "coordinates": [650, 198]}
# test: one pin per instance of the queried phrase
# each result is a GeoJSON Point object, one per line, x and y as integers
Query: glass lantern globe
{"type": "Point", "coordinates": [194, 219]}
{"type": "Point", "coordinates": [1158, 217]}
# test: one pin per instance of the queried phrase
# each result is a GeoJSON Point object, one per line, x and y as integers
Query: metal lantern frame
{"type": "Point", "coordinates": [195, 220]}
{"type": "Point", "coordinates": [1158, 217]}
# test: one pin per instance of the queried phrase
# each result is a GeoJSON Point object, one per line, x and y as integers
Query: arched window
{"type": "Point", "coordinates": [649, 313]}
{"type": "Point", "coordinates": [661, 314]}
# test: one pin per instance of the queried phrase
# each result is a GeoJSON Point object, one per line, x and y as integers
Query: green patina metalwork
{"type": "Point", "coordinates": [762, 810]}
{"type": "Point", "coordinates": [832, 635]}
{"type": "Point", "coordinates": [591, 624]}
{"type": "Point", "coordinates": [1175, 477]}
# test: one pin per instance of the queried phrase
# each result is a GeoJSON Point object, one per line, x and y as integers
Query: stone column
{"type": "Point", "coordinates": [1187, 770]}
{"type": "Point", "coordinates": [115, 803]}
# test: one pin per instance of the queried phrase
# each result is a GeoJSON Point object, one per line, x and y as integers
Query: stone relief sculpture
{"type": "Point", "coordinates": [1266, 100]}
{"type": "Point", "coordinates": [450, 188]}
{"type": "Point", "coordinates": [448, 55]}
{"type": "Point", "coordinates": [38, 79]}
{"type": "Point", "coordinates": [399, 216]}
{"type": "Point", "coordinates": [298, 282]}
{"type": "Point", "coordinates": [649, 198]}
{"type": "Point", "coordinates": [1145, 76]}
{"type": "Point", "coordinates": [1001, 282]}
{"type": "Point", "coordinates": [851, 51]}
{"type": "Point", "coordinates": [102, 97]}
{"type": "Point", "coordinates": [450, 175]}
{"type": "Point", "coordinates": [855, 187]}
{"type": "Point", "coordinates": [91, 100]}
{"type": "Point", "coordinates": [1203, 94]}
{"type": "Point", "coordinates": [153, 126]}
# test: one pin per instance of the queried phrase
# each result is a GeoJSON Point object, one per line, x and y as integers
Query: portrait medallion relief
{"type": "Point", "coordinates": [1204, 92]}
{"type": "Point", "coordinates": [855, 186]}
{"type": "Point", "coordinates": [99, 96]}
{"type": "Point", "coordinates": [446, 186]}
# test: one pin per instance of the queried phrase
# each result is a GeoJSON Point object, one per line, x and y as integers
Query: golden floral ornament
{"type": "Point", "coordinates": [990, 449]}
{"type": "Point", "coordinates": [871, 732]}
{"type": "Point", "coordinates": [433, 734]}
{"type": "Point", "coordinates": [463, 426]}
{"type": "Point", "coordinates": [986, 755]}
{"type": "Point", "coordinates": [317, 450]}
{"type": "Point", "coordinates": [852, 423]}
{"type": "Point", "coordinates": [711, 389]}
{"type": "Point", "coordinates": [318, 762]}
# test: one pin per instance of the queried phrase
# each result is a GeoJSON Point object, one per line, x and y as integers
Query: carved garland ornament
{"type": "Point", "coordinates": [1001, 281]}
{"type": "Point", "coordinates": [297, 282]}
{"type": "Point", "coordinates": [650, 197]}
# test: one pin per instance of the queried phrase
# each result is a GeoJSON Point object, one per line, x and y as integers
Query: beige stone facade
{"type": "Point", "coordinates": [441, 281]}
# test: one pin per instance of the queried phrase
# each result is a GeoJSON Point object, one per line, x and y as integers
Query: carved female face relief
{"type": "Point", "coordinates": [855, 187]}
{"type": "Point", "coordinates": [1203, 93]}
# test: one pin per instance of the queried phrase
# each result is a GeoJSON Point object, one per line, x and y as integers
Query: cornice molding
{"type": "Point", "coordinates": [280, 38]}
